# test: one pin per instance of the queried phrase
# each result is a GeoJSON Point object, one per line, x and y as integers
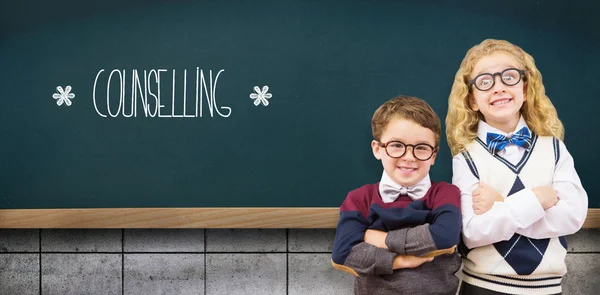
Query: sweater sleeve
{"type": "Point", "coordinates": [350, 253]}
{"type": "Point", "coordinates": [367, 260]}
{"type": "Point", "coordinates": [440, 236]}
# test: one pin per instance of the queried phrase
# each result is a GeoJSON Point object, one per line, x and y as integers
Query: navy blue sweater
{"type": "Point", "coordinates": [420, 228]}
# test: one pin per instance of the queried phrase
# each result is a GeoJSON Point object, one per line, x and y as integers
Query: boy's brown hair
{"type": "Point", "coordinates": [409, 108]}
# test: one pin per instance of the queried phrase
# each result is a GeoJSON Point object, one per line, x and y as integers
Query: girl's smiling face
{"type": "Point", "coordinates": [501, 104]}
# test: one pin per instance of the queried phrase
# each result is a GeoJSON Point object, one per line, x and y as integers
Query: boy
{"type": "Point", "coordinates": [389, 232]}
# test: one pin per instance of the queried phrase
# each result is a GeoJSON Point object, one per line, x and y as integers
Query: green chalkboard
{"type": "Point", "coordinates": [162, 114]}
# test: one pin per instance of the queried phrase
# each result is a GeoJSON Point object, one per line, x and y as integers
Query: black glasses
{"type": "Point", "coordinates": [397, 149]}
{"type": "Point", "coordinates": [509, 77]}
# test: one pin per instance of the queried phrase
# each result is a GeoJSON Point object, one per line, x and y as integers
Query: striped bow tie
{"type": "Point", "coordinates": [497, 142]}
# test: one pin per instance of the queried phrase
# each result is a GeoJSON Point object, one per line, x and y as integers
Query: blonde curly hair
{"type": "Point", "coordinates": [538, 111]}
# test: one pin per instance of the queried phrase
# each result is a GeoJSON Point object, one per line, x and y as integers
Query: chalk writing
{"type": "Point", "coordinates": [146, 99]}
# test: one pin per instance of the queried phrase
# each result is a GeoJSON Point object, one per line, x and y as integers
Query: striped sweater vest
{"type": "Point", "coordinates": [521, 265]}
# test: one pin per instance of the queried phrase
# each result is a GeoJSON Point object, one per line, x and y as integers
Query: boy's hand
{"type": "Point", "coordinates": [546, 195]}
{"type": "Point", "coordinates": [484, 197]}
{"type": "Point", "coordinates": [408, 261]}
{"type": "Point", "coordinates": [376, 238]}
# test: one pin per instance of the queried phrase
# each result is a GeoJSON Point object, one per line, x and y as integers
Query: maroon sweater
{"type": "Point", "coordinates": [414, 228]}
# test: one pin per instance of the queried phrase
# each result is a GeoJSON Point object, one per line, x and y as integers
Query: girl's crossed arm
{"type": "Point", "coordinates": [568, 215]}
{"type": "Point", "coordinates": [503, 220]}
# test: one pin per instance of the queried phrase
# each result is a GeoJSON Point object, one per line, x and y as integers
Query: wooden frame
{"type": "Point", "coordinates": [187, 218]}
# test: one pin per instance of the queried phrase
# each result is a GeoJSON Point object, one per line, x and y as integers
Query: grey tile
{"type": "Point", "coordinates": [19, 240]}
{"type": "Point", "coordinates": [81, 274]}
{"type": "Point", "coordinates": [245, 240]}
{"type": "Point", "coordinates": [313, 274]}
{"type": "Point", "coordinates": [311, 240]}
{"type": "Point", "coordinates": [20, 274]}
{"type": "Point", "coordinates": [585, 240]}
{"type": "Point", "coordinates": [582, 274]}
{"type": "Point", "coordinates": [164, 240]}
{"type": "Point", "coordinates": [148, 274]}
{"type": "Point", "coordinates": [81, 240]}
{"type": "Point", "coordinates": [248, 274]}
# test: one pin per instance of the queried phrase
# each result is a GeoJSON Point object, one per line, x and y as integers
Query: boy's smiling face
{"type": "Point", "coordinates": [406, 170]}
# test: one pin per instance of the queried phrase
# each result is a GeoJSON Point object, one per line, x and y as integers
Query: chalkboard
{"type": "Point", "coordinates": [266, 103]}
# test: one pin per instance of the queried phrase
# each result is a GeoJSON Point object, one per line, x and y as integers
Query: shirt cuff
{"type": "Point", "coordinates": [396, 241]}
{"type": "Point", "coordinates": [525, 207]}
{"type": "Point", "coordinates": [384, 262]}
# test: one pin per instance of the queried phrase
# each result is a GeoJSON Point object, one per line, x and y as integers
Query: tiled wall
{"type": "Point", "coordinates": [198, 261]}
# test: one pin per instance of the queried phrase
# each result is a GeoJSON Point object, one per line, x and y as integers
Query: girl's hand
{"type": "Point", "coordinates": [546, 195]}
{"type": "Point", "coordinates": [484, 197]}
{"type": "Point", "coordinates": [408, 261]}
{"type": "Point", "coordinates": [376, 238]}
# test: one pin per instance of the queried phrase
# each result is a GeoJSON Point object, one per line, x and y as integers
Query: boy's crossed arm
{"type": "Point", "coordinates": [373, 257]}
{"type": "Point", "coordinates": [414, 241]}
{"type": "Point", "coordinates": [361, 251]}
{"type": "Point", "coordinates": [366, 259]}
{"type": "Point", "coordinates": [350, 253]}
{"type": "Point", "coordinates": [428, 240]}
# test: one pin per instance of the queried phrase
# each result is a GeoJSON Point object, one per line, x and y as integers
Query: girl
{"type": "Point", "coordinates": [520, 192]}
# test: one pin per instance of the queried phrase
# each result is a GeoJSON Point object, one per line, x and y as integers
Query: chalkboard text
{"type": "Point", "coordinates": [146, 92]}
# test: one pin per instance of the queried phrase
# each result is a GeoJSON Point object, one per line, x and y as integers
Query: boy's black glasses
{"type": "Point", "coordinates": [509, 77]}
{"type": "Point", "coordinates": [397, 149]}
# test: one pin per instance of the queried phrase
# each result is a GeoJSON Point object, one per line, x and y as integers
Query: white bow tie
{"type": "Point", "coordinates": [390, 193]}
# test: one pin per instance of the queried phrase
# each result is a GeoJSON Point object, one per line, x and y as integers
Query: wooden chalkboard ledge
{"type": "Point", "coordinates": [186, 218]}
